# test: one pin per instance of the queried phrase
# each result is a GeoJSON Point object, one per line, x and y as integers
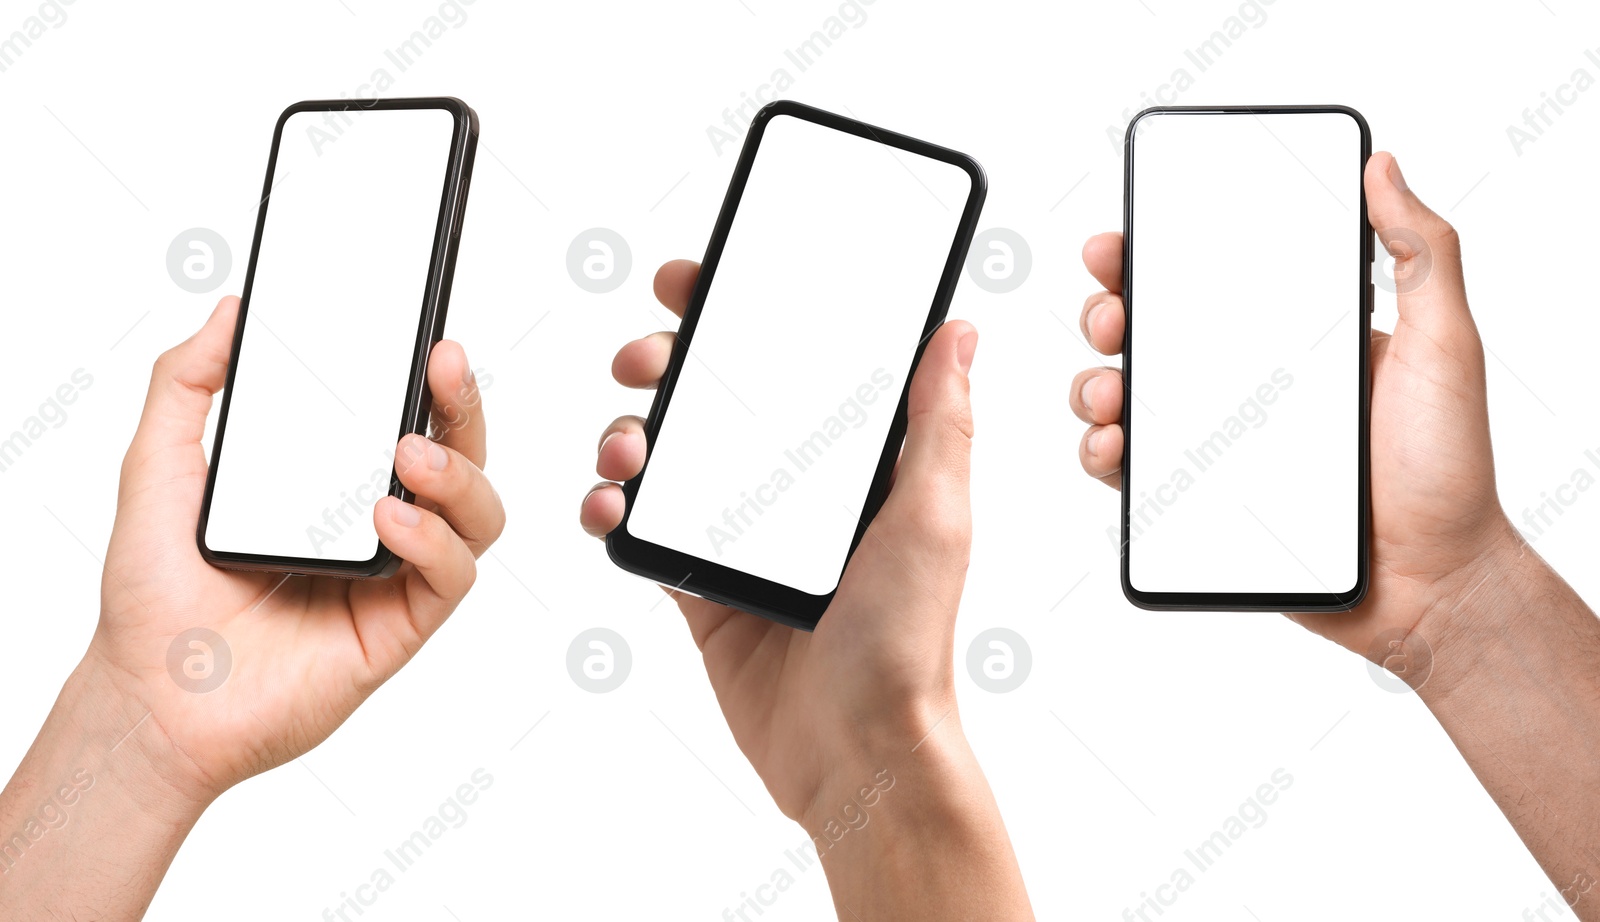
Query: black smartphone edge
{"type": "Point", "coordinates": [697, 576]}
{"type": "Point", "coordinates": [430, 328]}
{"type": "Point", "coordinates": [1253, 601]}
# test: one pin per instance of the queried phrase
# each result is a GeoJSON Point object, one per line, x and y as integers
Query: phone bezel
{"type": "Point", "coordinates": [1253, 601]}
{"type": "Point", "coordinates": [430, 328]}
{"type": "Point", "coordinates": [704, 578]}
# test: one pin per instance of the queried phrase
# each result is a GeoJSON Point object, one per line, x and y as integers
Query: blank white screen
{"type": "Point", "coordinates": [1244, 420]}
{"type": "Point", "coordinates": [320, 387]}
{"type": "Point", "coordinates": [768, 447]}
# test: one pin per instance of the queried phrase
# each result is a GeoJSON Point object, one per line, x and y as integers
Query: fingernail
{"type": "Point", "coordinates": [405, 514]}
{"type": "Point", "coordinates": [437, 456]}
{"type": "Point", "coordinates": [965, 350]}
{"type": "Point", "coordinates": [1083, 395]}
{"type": "Point", "coordinates": [1397, 178]}
{"type": "Point", "coordinates": [412, 449]}
{"type": "Point", "coordinates": [1088, 320]}
{"type": "Point", "coordinates": [468, 376]}
{"type": "Point", "coordinates": [607, 440]}
{"type": "Point", "coordinates": [1094, 442]}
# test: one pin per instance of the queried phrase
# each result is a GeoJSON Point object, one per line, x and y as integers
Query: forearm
{"type": "Point", "coordinates": [88, 830]}
{"type": "Point", "coordinates": [1516, 684]}
{"type": "Point", "coordinates": [910, 830]}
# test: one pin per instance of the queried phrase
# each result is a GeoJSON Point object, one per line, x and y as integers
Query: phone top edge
{"type": "Point", "coordinates": [463, 113]}
{"type": "Point", "coordinates": [1304, 109]}
{"type": "Point", "coordinates": [452, 104]}
{"type": "Point", "coordinates": [850, 125]}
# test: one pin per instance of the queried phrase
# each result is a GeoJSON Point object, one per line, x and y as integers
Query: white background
{"type": "Point", "coordinates": [131, 123]}
{"type": "Point", "coordinates": [1247, 275]}
{"type": "Point", "coordinates": [349, 237]}
{"type": "Point", "coordinates": [821, 295]}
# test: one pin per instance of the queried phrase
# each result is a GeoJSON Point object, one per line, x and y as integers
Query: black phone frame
{"type": "Point", "coordinates": [430, 329]}
{"type": "Point", "coordinates": [1331, 601]}
{"type": "Point", "coordinates": [698, 576]}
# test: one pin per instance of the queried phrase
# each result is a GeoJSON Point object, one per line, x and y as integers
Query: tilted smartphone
{"type": "Point", "coordinates": [783, 408]}
{"type": "Point", "coordinates": [1247, 267]}
{"type": "Point", "coordinates": [346, 292]}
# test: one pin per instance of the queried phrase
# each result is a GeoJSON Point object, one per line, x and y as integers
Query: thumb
{"type": "Point", "coordinates": [1427, 255]}
{"type": "Point", "coordinates": [936, 459]}
{"type": "Point", "coordinates": [181, 385]}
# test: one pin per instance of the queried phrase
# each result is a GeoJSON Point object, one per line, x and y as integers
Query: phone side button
{"type": "Point", "coordinates": [1372, 298]}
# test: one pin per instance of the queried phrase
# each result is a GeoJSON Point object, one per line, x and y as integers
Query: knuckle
{"type": "Point", "coordinates": [1431, 232]}
{"type": "Point", "coordinates": [960, 420]}
{"type": "Point", "coordinates": [953, 423]}
{"type": "Point", "coordinates": [1445, 237]}
{"type": "Point", "coordinates": [951, 536]}
{"type": "Point", "coordinates": [166, 367]}
{"type": "Point", "coordinates": [943, 531]}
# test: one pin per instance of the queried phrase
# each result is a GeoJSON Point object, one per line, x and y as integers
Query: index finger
{"type": "Point", "coordinates": [675, 283]}
{"type": "Point", "coordinates": [1102, 256]}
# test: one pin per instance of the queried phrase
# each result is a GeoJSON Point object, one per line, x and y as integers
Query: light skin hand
{"type": "Point", "coordinates": [1447, 566]}
{"type": "Point", "coordinates": [823, 715]}
{"type": "Point", "coordinates": [305, 651]}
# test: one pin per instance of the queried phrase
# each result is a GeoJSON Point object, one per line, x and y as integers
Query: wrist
{"type": "Point", "coordinates": [100, 706]}
{"type": "Point", "coordinates": [873, 763]}
{"type": "Point", "coordinates": [90, 820]}
{"type": "Point", "coordinates": [868, 742]}
{"type": "Point", "coordinates": [908, 825]}
{"type": "Point", "coordinates": [1484, 618]}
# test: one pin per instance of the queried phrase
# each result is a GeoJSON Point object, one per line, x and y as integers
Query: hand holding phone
{"type": "Point", "coordinates": [1435, 508]}
{"type": "Point", "coordinates": [243, 668]}
{"type": "Point", "coordinates": [866, 703]}
{"type": "Point", "coordinates": [833, 260]}
{"type": "Point", "coordinates": [199, 677]}
{"type": "Point", "coordinates": [240, 671]}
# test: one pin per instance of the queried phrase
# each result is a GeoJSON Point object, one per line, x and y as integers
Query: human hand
{"type": "Point", "coordinates": [1435, 513]}
{"type": "Point", "coordinates": [305, 651]}
{"type": "Point", "coordinates": [872, 691]}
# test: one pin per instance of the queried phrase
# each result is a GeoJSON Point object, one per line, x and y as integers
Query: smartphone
{"type": "Point", "coordinates": [1247, 268]}
{"type": "Point", "coordinates": [345, 295]}
{"type": "Point", "coordinates": [783, 408]}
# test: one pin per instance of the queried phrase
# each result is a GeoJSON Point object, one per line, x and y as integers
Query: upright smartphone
{"type": "Point", "coordinates": [1247, 267]}
{"type": "Point", "coordinates": [346, 292]}
{"type": "Point", "coordinates": [783, 408]}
